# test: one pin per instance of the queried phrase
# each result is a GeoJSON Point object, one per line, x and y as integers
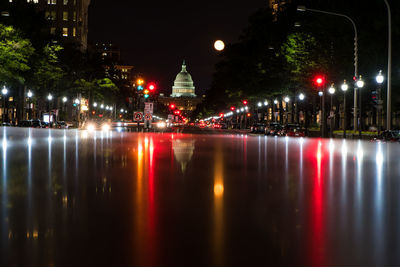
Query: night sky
{"type": "Point", "coordinates": [155, 36]}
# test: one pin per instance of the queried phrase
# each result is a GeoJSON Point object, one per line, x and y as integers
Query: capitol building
{"type": "Point", "coordinates": [183, 85]}
{"type": "Point", "coordinates": [183, 93]}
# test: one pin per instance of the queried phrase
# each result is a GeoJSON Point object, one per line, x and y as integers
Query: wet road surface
{"type": "Point", "coordinates": [73, 198]}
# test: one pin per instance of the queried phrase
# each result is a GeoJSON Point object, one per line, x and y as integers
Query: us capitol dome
{"type": "Point", "coordinates": [183, 85]}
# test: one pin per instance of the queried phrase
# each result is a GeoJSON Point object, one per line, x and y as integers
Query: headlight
{"type": "Point", "coordinates": [161, 124]}
{"type": "Point", "coordinates": [90, 127]}
{"type": "Point", "coordinates": [105, 127]}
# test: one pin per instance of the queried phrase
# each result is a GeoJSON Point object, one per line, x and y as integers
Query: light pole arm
{"type": "Point", "coordinates": [355, 33]}
{"type": "Point", "coordinates": [389, 71]}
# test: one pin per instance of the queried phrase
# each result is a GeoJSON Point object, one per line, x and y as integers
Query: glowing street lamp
{"type": "Point", "coordinates": [287, 99]}
{"type": "Point", "coordinates": [344, 88]}
{"type": "Point", "coordinates": [259, 104]}
{"type": "Point", "coordinates": [276, 102]}
{"type": "Point", "coordinates": [379, 79]}
{"type": "Point", "coordinates": [95, 104]}
{"type": "Point", "coordinates": [302, 96]}
{"type": "Point", "coordinates": [265, 103]}
{"type": "Point", "coordinates": [64, 99]}
{"type": "Point", "coordinates": [77, 101]}
{"type": "Point", "coordinates": [102, 106]}
{"type": "Point", "coordinates": [49, 97]}
{"type": "Point", "coordinates": [29, 94]}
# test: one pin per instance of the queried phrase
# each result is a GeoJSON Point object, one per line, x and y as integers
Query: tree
{"type": "Point", "coordinates": [15, 52]}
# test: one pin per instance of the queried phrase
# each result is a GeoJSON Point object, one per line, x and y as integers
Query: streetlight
{"type": "Point", "coordinates": [265, 103]}
{"type": "Point", "coordinates": [360, 84]}
{"type": "Point", "coordinates": [77, 101]}
{"type": "Point", "coordinates": [303, 8]}
{"type": "Point", "coordinates": [259, 104]}
{"type": "Point", "coordinates": [332, 91]}
{"type": "Point", "coordinates": [29, 95]}
{"type": "Point", "coordinates": [102, 106]}
{"type": "Point", "coordinates": [344, 88]}
{"type": "Point", "coordinates": [49, 97]}
{"type": "Point", "coordinates": [379, 79]}
{"type": "Point", "coordinates": [219, 45]}
{"type": "Point", "coordinates": [302, 96]}
{"type": "Point", "coordinates": [95, 104]}
{"type": "Point", "coordinates": [4, 92]}
{"type": "Point", "coordinates": [389, 74]}
{"type": "Point", "coordinates": [64, 99]}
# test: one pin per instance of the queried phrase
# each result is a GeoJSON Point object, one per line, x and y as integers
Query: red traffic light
{"type": "Point", "coordinates": [232, 108]}
{"type": "Point", "coordinates": [221, 115]}
{"type": "Point", "coordinates": [245, 102]}
{"type": "Point", "coordinates": [319, 80]}
{"type": "Point", "coordinates": [172, 106]}
{"type": "Point", "coordinates": [152, 86]}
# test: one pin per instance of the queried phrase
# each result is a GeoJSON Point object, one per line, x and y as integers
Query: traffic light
{"type": "Point", "coordinates": [140, 88]}
{"type": "Point", "coordinates": [146, 93]}
{"type": "Point", "coordinates": [374, 96]}
{"type": "Point", "coordinates": [245, 102]}
{"type": "Point", "coordinates": [233, 108]}
{"type": "Point", "coordinates": [152, 86]}
{"type": "Point", "coordinates": [319, 80]}
{"type": "Point", "coordinates": [140, 81]}
{"type": "Point", "coordinates": [221, 115]}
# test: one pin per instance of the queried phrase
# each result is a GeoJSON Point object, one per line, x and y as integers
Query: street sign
{"type": "Point", "coordinates": [148, 117]}
{"type": "Point", "coordinates": [148, 107]}
{"type": "Point", "coordinates": [138, 116]}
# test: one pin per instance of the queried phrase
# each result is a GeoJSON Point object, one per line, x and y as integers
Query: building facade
{"type": "Point", "coordinates": [68, 19]}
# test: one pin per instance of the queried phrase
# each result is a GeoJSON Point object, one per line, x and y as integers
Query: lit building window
{"type": "Point", "coordinates": [65, 32]}
{"type": "Point", "coordinates": [65, 2]}
{"type": "Point", "coordinates": [74, 16]}
{"type": "Point", "coordinates": [74, 32]}
{"type": "Point", "coordinates": [53, 31]}
{"type": "Point", "coordinates": [52, 2]}
{"type": "Point", "coordinates": [65, 16]}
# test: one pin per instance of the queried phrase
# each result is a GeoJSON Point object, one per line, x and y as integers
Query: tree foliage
{"type": "Point", "coordinates": [15, 52]}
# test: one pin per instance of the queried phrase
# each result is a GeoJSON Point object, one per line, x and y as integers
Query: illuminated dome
{"type": "Point", "coordinates": [183, 85]}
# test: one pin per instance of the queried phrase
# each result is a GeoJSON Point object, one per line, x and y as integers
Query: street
{"type": "Point", "coordinates": [78, 198]}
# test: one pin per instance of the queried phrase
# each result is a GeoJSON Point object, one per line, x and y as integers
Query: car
{"type": "Point", "coordinates": [61, 125]}
{"type": "Point", "coordinates": [389, 136]}
{"type": "Point", "coordinates": [258, 128]}
{"type": "Point", "coordinates": [293, 130]}
{"type": "Point", "coordinates": [6, 124]}
{"type": "Point", "coordinates": [97, 125]}
{"type": "Point", "coordinates": [273, 128]}
{"type": "Point", "coordinates": [25, 124]}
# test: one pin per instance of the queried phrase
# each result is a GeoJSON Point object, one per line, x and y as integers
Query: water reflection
{"type": "Point", "coordinates": [183, 151]}
{"type": "Point", "coordinates": [218, 220]}
{"type": "Point", "coordinates": [230, 199]}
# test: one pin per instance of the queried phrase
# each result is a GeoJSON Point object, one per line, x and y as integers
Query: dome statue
{"type": "Point", "coordinates": [183, 85]}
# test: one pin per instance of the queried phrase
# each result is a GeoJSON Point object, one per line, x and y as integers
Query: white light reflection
{"type": "Point", "coordinates": [4, 215]}
{"type": "Point", "coordinates": [379, 208]}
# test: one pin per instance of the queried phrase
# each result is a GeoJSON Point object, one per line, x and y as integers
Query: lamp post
{"type": "Point", "coordinates": [332, 91]}
{"type": "Point", "coordinates": [301, 98]}
{"type": "Point", "coordinates": [379, 80]}
{"type": "Point", "coordinates": [4, 92]}
{"type": "Point", "coordinates": [49, 98]}
{"type": "Point", "coordinates": [322, 118]}
{"type": "Point", "coordinates": [275, 105]}
{"type": "Point", "coordinates": [344, 88]}
{"type": "Point", "coordinates": [29, 95]}
{"type": "Point", "coordinates": [287, 100]}
{"type": "Point", "coordinates": [303, 8]}
{"type": "Point", "coordinates": [389, 74]}
{"type": "Point", "coordinates": [360, 85]}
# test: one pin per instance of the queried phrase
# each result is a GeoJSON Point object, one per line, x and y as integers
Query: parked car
{"type": "Point", "coordinates": [61, 125]}
{"type": "Point", "coordinates": [389, 136]}
{"type": "Point", "coordinates": [6, 124]}
{"type": "Point", "coordinates": [25, 124]}
{"type": "Point", "coordinates": [258, 128]}
{"type": "Point", "coordinates": [293, 130]}
{"type": "Point", "coordinates": [273, 128]}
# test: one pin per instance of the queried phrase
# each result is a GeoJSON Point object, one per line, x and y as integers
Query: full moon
{"type": "Point", "coordinates": [219, 45]}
